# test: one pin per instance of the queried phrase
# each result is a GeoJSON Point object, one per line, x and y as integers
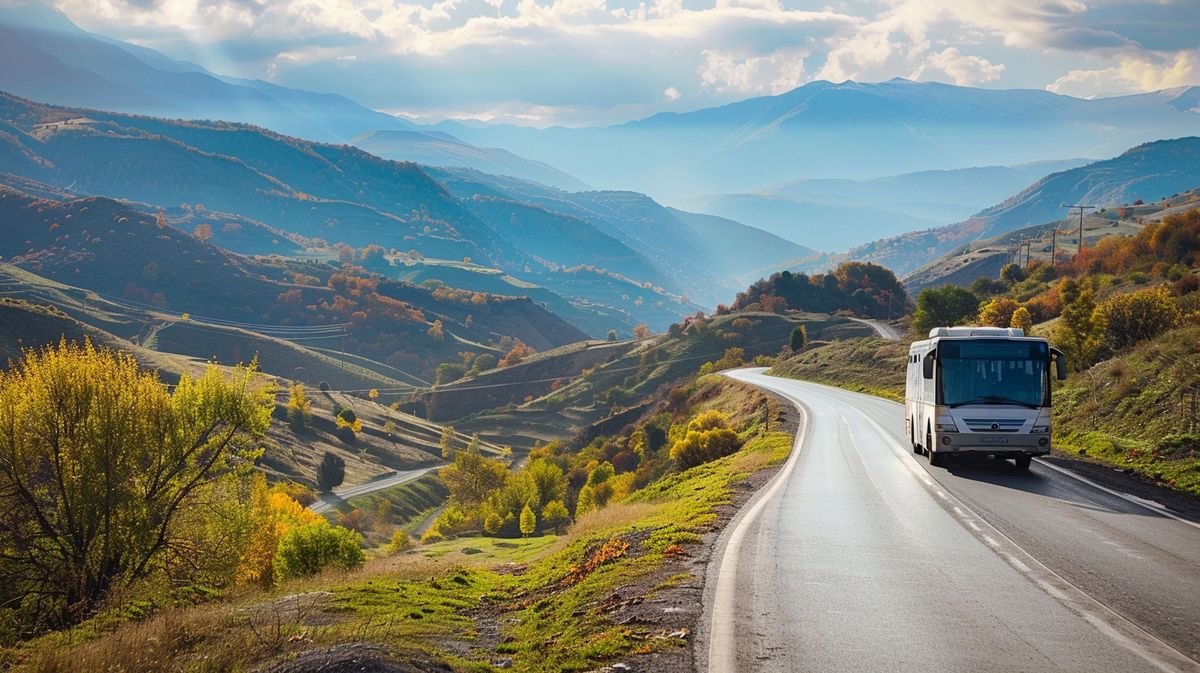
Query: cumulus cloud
{"type": "Point", "coordinates": [949, 65]}
{"type": "Point", "coordinates": [773, 73]}
{"type": "Point", "coordinates": [597, 60]}
{"type": "Point", "coordinates": [1135, 72]}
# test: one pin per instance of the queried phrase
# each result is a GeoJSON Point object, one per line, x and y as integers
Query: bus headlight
{"type": "Point", "coordinates": [1040, 429]}
{"type": "Point", "coordinates": [945, 424]}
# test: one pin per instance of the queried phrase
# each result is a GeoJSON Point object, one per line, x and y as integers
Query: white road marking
{"type": "Point", "coordinates": [1141, 502]}
{"type": "Point", "coordinates": [722, 656]}
{"type": "Point", "coordinates": [722, 650]}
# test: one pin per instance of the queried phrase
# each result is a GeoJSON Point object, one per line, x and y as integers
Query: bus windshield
{"type": "Point", "coordinates": [994, 371]}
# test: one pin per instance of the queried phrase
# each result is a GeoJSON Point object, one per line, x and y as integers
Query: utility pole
{"type": "Point", "coordinates": [1081, 209]}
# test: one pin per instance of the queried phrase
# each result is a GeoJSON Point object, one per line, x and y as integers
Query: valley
{"type": "Point", "coordinates": [576, 372]}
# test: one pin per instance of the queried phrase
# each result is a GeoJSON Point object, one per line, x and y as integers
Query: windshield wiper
{"type": "Point", "coordinates": [995, 399]}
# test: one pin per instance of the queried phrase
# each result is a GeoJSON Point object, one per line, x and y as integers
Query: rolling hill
{"type": "Point", "coordinates": [102, 250]}
{"type": "Point", "coordinates": [316, 193]}
{"type": "Point", "coordinates": [435, 148]}
{"type": "Point", "coordinates": [984, 258]}
{"type": "Point", "coordinates": [1148, 172]}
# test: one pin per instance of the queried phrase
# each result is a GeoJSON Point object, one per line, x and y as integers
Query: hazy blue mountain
{"type": "Point", "coordinates": [1149, 172]}
{"type": "Point", "coordinates": [818, 224]}
{"type": "Point", "coordinates": [865, 210]}
{"type": "Point", "coordinates": [846, 130]}
{"type": "Point", "coordinates": [708, 257]}
{"type": "Point", "coordinates": [435, 148]}
{"type": "Point", "coordinates": [47, 58]}
{"type": "Point", "coordinates": [746, 252]}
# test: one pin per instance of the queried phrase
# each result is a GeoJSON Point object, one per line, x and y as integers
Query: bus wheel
{"type": "Point", "coordinates": [935, 459]}
{"type": "Point", "coordinates": [912, 440]}
{"type": "Point", "coordinates": [1023, 462]}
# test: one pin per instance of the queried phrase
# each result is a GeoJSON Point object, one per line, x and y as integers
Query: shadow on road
{"type": "Point", "coordinates": [1040, 481]}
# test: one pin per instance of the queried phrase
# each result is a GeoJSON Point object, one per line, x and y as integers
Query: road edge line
{"type": "Point", "coordinates": [1141, 502]}
{"type": "Point", "coordinates": [1121, 630]}
{"type": "Point", "coordinates": [722, 656]}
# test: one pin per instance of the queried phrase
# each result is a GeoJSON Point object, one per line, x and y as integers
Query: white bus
{"type": "Point", "coordinates": [981, 390]}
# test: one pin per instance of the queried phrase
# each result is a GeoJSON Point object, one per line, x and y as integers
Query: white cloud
{"type": "Point", "coordinates": [961, 69]}
{"type": "Point", "coordinates": [597, 60]}
{"type": "Point", "coordinates": [1134, 72]}
{"type": "Point", "coordinates": [774, 73]}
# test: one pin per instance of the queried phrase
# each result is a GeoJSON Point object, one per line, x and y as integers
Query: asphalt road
{"type": "Point", "coordinates": [858, 556]}
{"type": "Point", "coordinates": [327, 501]}
{"type": "Point", "coordinates": [884, 330]}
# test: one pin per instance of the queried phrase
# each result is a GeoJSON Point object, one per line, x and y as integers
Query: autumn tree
{"type": "Point", "coordinates": [331, 472]}
{"type": "Point", "coordinates": [555, 516]}
{"type": "Point", "coordinates": [641, 331]}
{"type": "Point", "coordinates": [528, 521]}
{"type": "Point", "coordinates": [298, 407]}
{"type": "Point", "coordinates": [203, 232]}
{"type": "Point", "coordinates": [1137, 316]}
{"type": "Point", "coordinates": [472, 478]}
{"type": "Point", "coordinates": [707, 437]}
{"type": "Point", "coordinates": [446, 442]}
{"type": "Point", "coordinates": [99, 461]}
{"type": "Point", "coordinates": [1022, 320]}
{"type": "Point", "coordinates": [998, 312]}
{"type": "Point", "coordinates": [516, 354]}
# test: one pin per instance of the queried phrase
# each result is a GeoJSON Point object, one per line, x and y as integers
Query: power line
{"type": "Point", "coordinates": [1081, 208]}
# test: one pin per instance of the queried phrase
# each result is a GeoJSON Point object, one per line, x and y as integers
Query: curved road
{"type": "Point", "coordinates": [884, 330]}
{"type": "Point", "coordinates": [328, 501]}
{"type": "Point", "coordinates": [858, 556]}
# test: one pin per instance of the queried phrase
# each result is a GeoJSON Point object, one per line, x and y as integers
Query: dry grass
{"type": "Point", "coordinates": [615, 516]}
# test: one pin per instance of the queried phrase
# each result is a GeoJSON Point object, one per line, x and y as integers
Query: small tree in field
{"type": "Point", "coordinates": [331, 472]}
{"type": "Point", "coordinates": [446, 443]}
{"type": "Point", "coordinates": [298, 407]}
{"type": "Point", "coordinates": [528, 521]}
{"type": "Point", "coordinates": [798, 338]}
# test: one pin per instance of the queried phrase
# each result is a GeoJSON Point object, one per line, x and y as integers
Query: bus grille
{"type": "Point", "coordinates": [994, 424]}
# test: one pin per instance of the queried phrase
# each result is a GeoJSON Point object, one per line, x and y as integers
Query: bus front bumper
{"type": "Point", "coordinates": [992, 443]}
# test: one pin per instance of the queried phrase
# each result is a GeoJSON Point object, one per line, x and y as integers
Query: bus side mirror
{"type": "Point", "coordinates": [1060, 364]}
{"type": "Point", "coordinates": [927, 365]}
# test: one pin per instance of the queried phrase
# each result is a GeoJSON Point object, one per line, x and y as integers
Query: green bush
{"type": "Point", "coordinates": [708, 437]}
{"type": "Point", "coordinates": [307, 550]}
{"type": "Point", "coordinates": [1137, 316]}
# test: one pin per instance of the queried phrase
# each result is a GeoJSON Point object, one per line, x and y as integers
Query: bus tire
{"type": "Point", "coordinates": [1023, 462]}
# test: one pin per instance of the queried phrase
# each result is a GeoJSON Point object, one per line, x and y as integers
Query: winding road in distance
{"type": "Point", "coordinates": [324, 502]}
{"type": "Point", "coordinates": [858, 556]}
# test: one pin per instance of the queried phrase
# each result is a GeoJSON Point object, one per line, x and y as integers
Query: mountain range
{"type": "Point", "coordinates": [846, 130]}
{"type": "Point", "coordinates": [46, 57]}
{"type": "Point", "coordinates": [1151, 171]}
{"type": "Point", "coordinates": [866, 210]}
{"type": "Point", "coordinates": [602, 260]}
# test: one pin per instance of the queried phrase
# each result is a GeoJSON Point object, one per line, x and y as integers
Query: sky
{"type": "Point", "coordinates": [578, 62]}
